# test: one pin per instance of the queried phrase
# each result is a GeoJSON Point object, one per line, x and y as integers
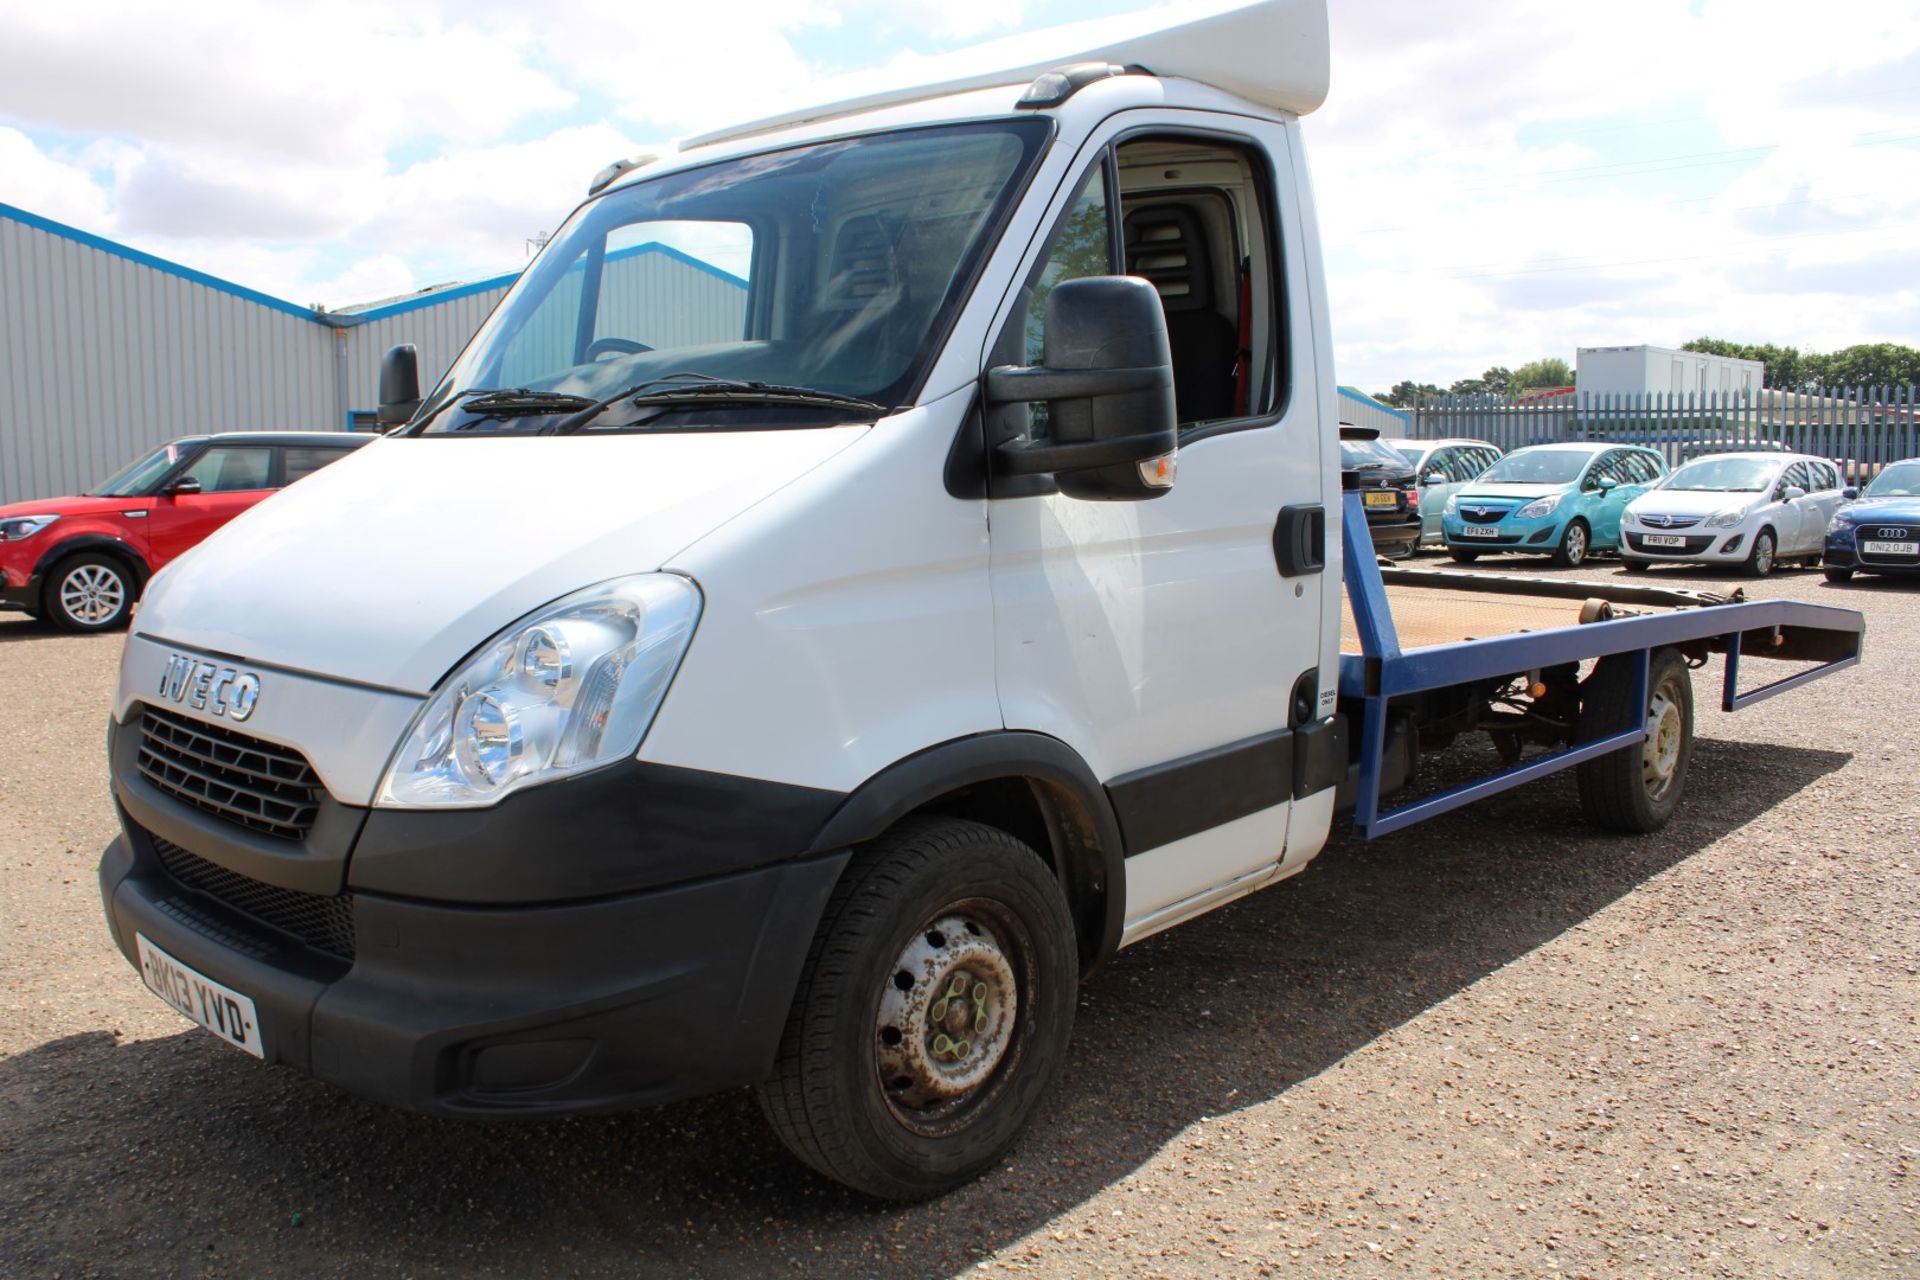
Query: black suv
{"type": "Point", "coordinates": [1385, 480]}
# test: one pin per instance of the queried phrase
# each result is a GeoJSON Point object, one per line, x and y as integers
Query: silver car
{"type": "Point", "coordinates": [1443, 466]}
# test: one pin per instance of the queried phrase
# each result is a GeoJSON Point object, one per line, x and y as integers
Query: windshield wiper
{"type": "Point", "coordinates": [504, 402]}
{"type": "Point", "coordinates": [678, 388]}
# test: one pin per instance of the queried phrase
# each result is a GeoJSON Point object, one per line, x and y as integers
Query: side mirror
{"type": "Point", "coordinates": [1608, 483]}
{"type": "Point", "coordinates": [1108, 380]}
{"type": "Point", "coordinates": [1434, 477]}
{"type": "Point", "coordinates": [184, 487]}
{"type": "Point", "coordinates": [1791, 492]}
{"type": "Point", "coordinates": [1850, 493]}
{"type": "Point", "coordinates": [399, 385]}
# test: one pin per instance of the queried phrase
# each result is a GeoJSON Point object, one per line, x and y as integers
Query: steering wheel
{"type": "Point", "coordinates": [608, 346]}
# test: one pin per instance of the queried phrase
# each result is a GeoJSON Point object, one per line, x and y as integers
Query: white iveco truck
{"type": "Point", "coordinates": [874, 565]}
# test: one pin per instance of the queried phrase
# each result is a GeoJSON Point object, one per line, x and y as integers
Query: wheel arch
{"type": "Point", "coordinates": [119, 548]}
{"type": "Point", "coordinates": [1033, 786]}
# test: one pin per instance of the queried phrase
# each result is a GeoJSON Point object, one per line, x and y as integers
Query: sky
{"type": "Point", "coordinates": [1497, 180]}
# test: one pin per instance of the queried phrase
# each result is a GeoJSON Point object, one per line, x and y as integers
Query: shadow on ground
{"type": "Point", "coordinates": [179, 1155]}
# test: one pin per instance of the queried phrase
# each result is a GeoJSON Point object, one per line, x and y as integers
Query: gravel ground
{"type": "Point", "coordinates": [1493, 1045]}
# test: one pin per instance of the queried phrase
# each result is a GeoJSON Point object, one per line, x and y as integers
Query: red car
{"type": "Point", "coordinates": [82, 562]}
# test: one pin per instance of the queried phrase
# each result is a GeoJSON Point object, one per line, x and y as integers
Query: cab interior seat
{"type": "Point", "coordinates": [1166, 243]}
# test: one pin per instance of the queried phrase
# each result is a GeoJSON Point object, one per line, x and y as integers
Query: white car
{"type": "Point", "coordinates": [1748, 509]}
{"type": "Point", "coordinates": [1443, 467]}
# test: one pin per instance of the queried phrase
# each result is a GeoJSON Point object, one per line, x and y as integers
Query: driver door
{"type": "Point", "coordinates": [231, 478]}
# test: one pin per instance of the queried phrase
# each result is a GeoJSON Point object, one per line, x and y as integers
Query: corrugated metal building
{"type": "Point", "coordinates": [106, 351]}
{"type": "Point", "coordinates": [1362, 410]}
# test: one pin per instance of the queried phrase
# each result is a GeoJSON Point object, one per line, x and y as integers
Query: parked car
{"type": "Point", "coordinates": [1749, 509]}
{"type": "Point", "coordinates": [1442, 466]}
{"type": "Point", "coordinates": [1880, 533]}
{"type": "Point", "coordinates": [1563, 500]}
{"type": "Point", "coordinates": [81, 562]}
{"type": "Point", "coordinates": [1387, 490]}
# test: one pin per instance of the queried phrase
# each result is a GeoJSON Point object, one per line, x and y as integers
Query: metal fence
{"type": "Point", "coordinates": [1861, 429]}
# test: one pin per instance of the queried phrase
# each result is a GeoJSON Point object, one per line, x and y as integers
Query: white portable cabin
{"type": "Point", "coordinates": [1644, 370]}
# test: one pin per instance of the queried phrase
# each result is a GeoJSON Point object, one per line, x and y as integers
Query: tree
{"type": "Point", "coordinates": [1495, 381]}
{"type": "Point", "coordinates": [1407, 394]}
{"type": "Point", "coordinates": [1786, 367]}
{"type": "Point", "coordinates": [1869, 364]}
{"type": "Point", "coordinates": [1550, 371]}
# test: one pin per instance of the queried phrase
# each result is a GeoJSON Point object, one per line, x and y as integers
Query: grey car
{"type": "Point", "coordinates": [1443, 466]}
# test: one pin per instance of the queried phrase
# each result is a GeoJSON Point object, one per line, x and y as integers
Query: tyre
{"type": "Point", "coordinates": [934, 1011]}
{"type": "Point", "coordinates": [1637, 788]}
{"type": "Point", "coordinates": [1635, 566]}
{"type": "Point", "coordinates": [89, 592]}
{"type": "Point", "coordinates": [1572, 551]}
{"type": "Point", "coordinates": [1838, 575]}
{"type": "Point", "coordinates": [1462, 555]}
{"type": "Point", "coordinates": [1760, 560]}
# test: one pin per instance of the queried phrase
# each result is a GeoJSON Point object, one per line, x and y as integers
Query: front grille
{"type": "Point", "coordinates": [255, 784]}
{"type": "Point", "coordinates": [1483, 515]}
{"type": "Point", "coordinates": [326, 924]}
{"type": "Point", "coordinates": [1670, 522]}
{"type": "Point", "coordinates": [1866, 533]}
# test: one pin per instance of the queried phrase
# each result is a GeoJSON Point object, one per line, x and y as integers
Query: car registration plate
{"type": "Point", "coordinates": [1479, 531]}
{"type": "Point", "coordinates": [220, 1009]}
{"type": "Point", "coordinates": [1380, 498]}
{"type": "Point", "coordinates": [1664, 540]}
{"type": "Point", "coordinates": [1891, 548]}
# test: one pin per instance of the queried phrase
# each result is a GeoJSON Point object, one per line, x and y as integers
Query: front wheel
{"type": "Point", "coordinates": [933, 1013]}
{"type": "Point", "coordinates": [89, 592]}
{"type": "Point", "coordinates": [1760, 560]}
{"type": "Point", "coordinates": [1574, 543]}
{"type": "Point", "coordinates": [1635, 566]}
{"type": "Point", "coordinates": [1636, 789]}
{"type": "Point", "coordinates": [1838, 575]}
{"type": "Point", "coordinates": [1462, 555]}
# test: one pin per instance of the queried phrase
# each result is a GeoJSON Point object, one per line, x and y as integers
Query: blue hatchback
{"type": "Point", "coordinates": [1881, 532]}
{"type": "Point", "coordinates": [1563, 500]}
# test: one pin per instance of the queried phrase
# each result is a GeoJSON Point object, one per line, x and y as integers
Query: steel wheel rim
{"type": "Point", "coordinates": [1763, 553]}
{"type": "Point", "coordinates": [1576, 544]}
{"type": "Point", "coordinates": [1660, 757]}
{"type": "Point", "coordinates": [948, 1016]}
{"type": "Point", "coordinates": [92, 593]}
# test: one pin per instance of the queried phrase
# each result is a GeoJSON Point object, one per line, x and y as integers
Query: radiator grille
{"type": "Point", "coordinates": [326, 924]}
{"type": "Point", "coordinates": [255, 784]}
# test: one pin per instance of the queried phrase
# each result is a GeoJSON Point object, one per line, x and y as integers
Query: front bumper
{"type": "Point", "coordinates": [1842, 551]}
{"type": "Point", "coordinates": [536, 1010]}
{"type": "Point", "coordinates": [19, 588]}
{"type": "Point", "coordinates": [1512, 534]}
{"type": "Point", "coordinates": [1706, 546]}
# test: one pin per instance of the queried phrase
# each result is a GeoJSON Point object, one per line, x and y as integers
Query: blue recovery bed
{"type": "Point", "coordinates": [1382, 672]}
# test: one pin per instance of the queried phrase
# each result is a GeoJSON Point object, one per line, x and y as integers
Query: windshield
{"type": "Point", "coordinates": [835, 268]}
{"type": "Point", "coordinates": [1725, 475]}
{"type": "Point", "coordinates": [1547, 466]}
{"type": "Point", "coordinates": [1901, 480]}
{"type": "Point", "coordinates": [1369, 455]}
{"type": "Point", "coordinates": [1412, 450]}
{"type": "Point", "coordinates": [137, 478]}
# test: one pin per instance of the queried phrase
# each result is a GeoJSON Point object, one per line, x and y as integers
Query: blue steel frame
{"type": "Point", "coordinates": [1381, 671]}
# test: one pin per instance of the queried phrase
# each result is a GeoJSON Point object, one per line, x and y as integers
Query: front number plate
{"type": "Point", "coordinates": [219, 1009]}
{"type": "Point", "coordinates": [1379, 499]}
{"type": "Point", "coordinates": [1664, 540]}
{"type": "Point", "coordinates": [1479, 531]}
{"type": "Point", "coordinates": [1891, 548]}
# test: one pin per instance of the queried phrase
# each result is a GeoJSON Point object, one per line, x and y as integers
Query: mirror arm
{"type": "Point", "coordinates": [1022, 459]}
{"type": "Point", "coordinates": [1017, 384]}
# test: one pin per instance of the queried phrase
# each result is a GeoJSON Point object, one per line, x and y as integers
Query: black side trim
{"type": "Point", "coordinates": [1319, 756]}
{"type": "Point", "coordinates": [621, 829]}
{"type": "Point", "coordinates": [1167, 802]}
{"type": "Point", "coordinates": [136, 562]}
{"type": "Point", "coordinates": [1090, 848]}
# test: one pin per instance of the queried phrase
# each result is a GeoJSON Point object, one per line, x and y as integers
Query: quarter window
{"type": "Point", "coordinates": [301, 461]}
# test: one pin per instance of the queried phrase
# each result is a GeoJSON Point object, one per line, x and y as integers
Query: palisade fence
{"type": "Point", "coordinates": [1861, 430]}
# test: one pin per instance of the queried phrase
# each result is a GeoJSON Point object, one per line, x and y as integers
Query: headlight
{"type": "Point", "coordinates": [20, 528]}
{"type": "Point", "coordinates": [571, 687]}
{"type": "Point", "coordinates": [1841, 523]}
{"type": "Point", "coordinates": [1540, 507]}
{"type": "Point", "coordinates": [1452, 505]}
{"type": "Point", "coordinates": [1727, 519]}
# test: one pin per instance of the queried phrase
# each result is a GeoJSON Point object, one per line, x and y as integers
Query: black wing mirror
{"type": "Point", "coordinates": [184, 487]}
{"type": "Point", "coordinates": [1108, 380]}
{"type": "Point", "coordinates": [399, 385]}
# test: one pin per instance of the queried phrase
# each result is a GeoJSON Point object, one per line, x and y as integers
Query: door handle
{"type": "Point", "coordinates": [1300, 540]}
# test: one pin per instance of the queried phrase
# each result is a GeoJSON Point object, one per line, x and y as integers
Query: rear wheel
{"type": "Point", "coordinates": [934, 1011]}
{"type": "Point", "coordinates": [1760, 560]}
{"type": "Point", "coordinates": [1839, 575]}
{"type": "Point", "coordinates": [1636, 789]}
{"type": "Point", "coordinates": [89, 592]}
{"type": "Point", "coordinates": [1462, 555]}
{"type": "Point", "coordinates": [1572, 552]}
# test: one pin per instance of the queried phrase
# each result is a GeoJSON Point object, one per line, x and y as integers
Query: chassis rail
{"type": "Point", "coordinates": [1778, 629]}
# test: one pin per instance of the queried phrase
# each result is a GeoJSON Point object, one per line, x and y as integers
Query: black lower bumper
{"type": "Point", "coordinates": [25, 597]}
{"type": "Point", "coordinates": [531, 1010]}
